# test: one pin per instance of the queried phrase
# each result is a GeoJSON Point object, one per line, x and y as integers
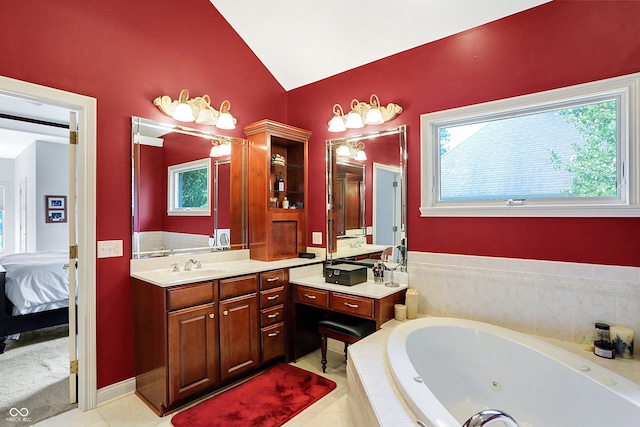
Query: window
{"type": "Point", "coordinates": [190, 188]}
{"type": "Point", "coordinates": [567, 152]}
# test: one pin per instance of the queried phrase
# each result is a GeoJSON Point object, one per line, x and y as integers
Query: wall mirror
{"type": "Point", "coordinates": [366, 197]}
{"type": "Point", "coordinates": [183, 196]}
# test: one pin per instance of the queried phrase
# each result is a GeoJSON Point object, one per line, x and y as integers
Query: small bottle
{"type": "Point", "coordinates": [285, 204]}
{"type": "Point", "coordinates": [280, 183]}
{"type": "Point", "coordinates": [602, 345]}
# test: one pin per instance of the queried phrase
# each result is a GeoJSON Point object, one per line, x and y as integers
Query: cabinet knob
{"type": "Point", "coordinates": [226, 312]}
{"type": "Point", "coordinates": [274, 334]}
{"type": "Point", "coordinates": [273, 316]}
{"type": "Point", "coordinates": [351, 305]}
{"type": "Point", "coordinates": [310, 296]}
{"type": "Point", "coordinates": [273, 279]}
{"type": "Point", "coordinates": [273, 297]}
{"type": "Point", "coordinates": [211, 315]}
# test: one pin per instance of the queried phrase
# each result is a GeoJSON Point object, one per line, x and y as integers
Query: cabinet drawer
{"type": "Point", "coordinates": [312, 296]}
{"type": "Point", "coordinates": [237, 286]}
{"type": "Point", "coordinates": [269, 316]}
{"type": "Point", "coordinates": [272, 279]}
{"type": "Point", "coordinates": [272, 341]}
{"type": "Point", "coordinates": [272, 297]}
{"type": "Point", "coordinates": [189, 295]}
{"type": "Point", "coordinates": [351, 304]}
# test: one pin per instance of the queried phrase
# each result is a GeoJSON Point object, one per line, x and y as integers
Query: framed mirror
{"type": "Point", "coordinates": [186, 184]}
{"type": "Point", "coordinates": [366, 197]}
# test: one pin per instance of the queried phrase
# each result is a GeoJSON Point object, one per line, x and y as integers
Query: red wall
{"type": "Point", "coordinates": [125, 53]}
{"type": "Point", "coordinates": [558, 44]}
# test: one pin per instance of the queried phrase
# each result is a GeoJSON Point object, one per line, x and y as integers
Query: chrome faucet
{"type": "Point", "coordinates": [190, 262]}
{"type": "Point", "coordinates": [488, 416]}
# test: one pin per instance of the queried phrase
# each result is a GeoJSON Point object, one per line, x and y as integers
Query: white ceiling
{"type": "Point", "coordinates": [301, 42]}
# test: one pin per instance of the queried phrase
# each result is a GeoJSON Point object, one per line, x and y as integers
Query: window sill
{"type": "Point", "coordinates": [583, 211]}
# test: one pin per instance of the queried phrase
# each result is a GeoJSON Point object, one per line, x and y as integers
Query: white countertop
{"type": "Point", "coordinates": [214, 266]}
{"type": "Point", "coordinates": [367, 289]}
{"type": "Point", "coordinates": [345, 252]}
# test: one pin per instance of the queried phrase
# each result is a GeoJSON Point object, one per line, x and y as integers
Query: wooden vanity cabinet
{"type": "Point", "coordinates": [193, 338]}
{"type": "Point", "coordinates": [176, 342]}
{"type": "Point", "coordinates": [276, 232]}
{"type": "Point", "coordinates": [273, 296]}
{"type": "Point", "coordinates": [239, 325]}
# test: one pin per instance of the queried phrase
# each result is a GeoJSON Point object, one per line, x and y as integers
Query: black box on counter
{"type": "Point", "coordinates": [345, 274]}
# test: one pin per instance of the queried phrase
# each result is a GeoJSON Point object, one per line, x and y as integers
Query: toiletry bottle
{"type": "Point", "coordinates": [285, 203]}
{"type": "Point", "coordinates": [280, 183]}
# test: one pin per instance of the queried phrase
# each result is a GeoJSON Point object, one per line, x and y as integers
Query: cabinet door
{"type": "Point", "coordinates": [193, 353]}
{"type": "Point", "coordinates": [239, 335]}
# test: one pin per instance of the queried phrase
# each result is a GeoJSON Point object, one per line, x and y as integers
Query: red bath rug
{"type": "Point", "coordinates": [267, 400]}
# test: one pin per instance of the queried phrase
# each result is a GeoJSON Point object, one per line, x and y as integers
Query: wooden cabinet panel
{"type": "Point", "coordinates": [273, 279]}
{"type": "Point", "coordinates": [189, 295]}
{"type": "Point", "coordinates": [239, 335]}
{"type": "Point", "coordinates": [269, 316]}
{"type": "Point", "coordinates": [193, 351]}
{"type": "Point", "coordinates": [351, 304]}
{"type": "Point", "coordinates": [272, 341]}
{"type": "Point", "coordinates": [236, 286]}
{"type": "Point", "coordinates": [312, 296]}
{"type": "Point", "coordinates": [272, 297]}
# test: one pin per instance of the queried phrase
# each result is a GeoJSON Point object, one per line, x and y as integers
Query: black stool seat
{"type": "Point", "coordinates": [347, 329]}
{"type": "Point", "coordinates": [349, 325]}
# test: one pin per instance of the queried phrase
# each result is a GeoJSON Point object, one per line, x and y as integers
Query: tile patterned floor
{"type": "Point", "coordinates": [129, 411]}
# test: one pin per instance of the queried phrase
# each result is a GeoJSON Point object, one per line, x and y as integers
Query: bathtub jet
{"type": "Point", "coordinates": [448, 370]}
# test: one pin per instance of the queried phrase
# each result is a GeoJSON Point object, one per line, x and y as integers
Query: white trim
{"type": "Point", "coordinates": [627, 87]}
{"type": "Point", "coordinates": [86, 107]}
{"type": "Point", "coordinates": [116, 391]}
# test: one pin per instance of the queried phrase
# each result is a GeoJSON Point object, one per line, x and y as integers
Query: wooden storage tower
{"type": "Point", "coordinates": [276, 232]}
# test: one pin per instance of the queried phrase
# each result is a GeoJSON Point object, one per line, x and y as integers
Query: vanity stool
{"type": "Point", "coordinates": [347, 329]}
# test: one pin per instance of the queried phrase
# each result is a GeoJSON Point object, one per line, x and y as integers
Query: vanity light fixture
{"type": "Point", "coordinates": [196, 109]}
{"type": "Point", "coordinates": [353, 149]}
{"type": "Point", "coordinates": [220, 148]}
{"type": "Point", "coordinates": [362, 114]}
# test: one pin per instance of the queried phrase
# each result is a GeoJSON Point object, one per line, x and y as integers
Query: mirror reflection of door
{"type": "Point", "coordinates": [387, 204]}
{"type": "Point", "coordinates": [349, 200]}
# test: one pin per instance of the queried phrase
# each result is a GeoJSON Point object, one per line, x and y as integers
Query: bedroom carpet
{"type": "Point", "coordinates": [34, 377]}
{"type": "Point", "coordinates": [266, 400]}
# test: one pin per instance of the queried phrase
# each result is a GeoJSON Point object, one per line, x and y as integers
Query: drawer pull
{"type": "Point", "coordinates": [351, 305]}
{"type": "Point", "coordinates": [273, 297]}
{"type": "Point", "coordinates": [211, 315]}
{"type": "Point", "coordinates": [274, 334]}
{"type": "Point", "coordinates": [310, 296]}
{"type": "Point", "coordinates": [226, 312]}
{"type": "Point", "coordinates": [272, 316]}
{"type": "Point", "coordinates": [273, 279]}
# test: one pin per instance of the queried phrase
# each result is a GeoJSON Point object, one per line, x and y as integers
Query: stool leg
{"type": "Point", "coordinates": [345, 351]}
{"type": "Point", "coordinates": [323, 348]}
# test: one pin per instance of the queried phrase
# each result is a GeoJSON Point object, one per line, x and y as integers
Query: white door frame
{"type": "Point", "coordinates": [86, 107]}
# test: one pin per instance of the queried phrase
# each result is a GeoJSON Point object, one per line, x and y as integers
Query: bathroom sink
{"type": "Point", "coordinates": [167, 275]}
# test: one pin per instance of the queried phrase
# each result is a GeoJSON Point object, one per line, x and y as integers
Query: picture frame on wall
{"type": "Point", "coordinates": [56, 209]}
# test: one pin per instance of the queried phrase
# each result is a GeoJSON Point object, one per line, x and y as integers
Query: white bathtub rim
{"type": "Point", "coordinates": [401, 367]}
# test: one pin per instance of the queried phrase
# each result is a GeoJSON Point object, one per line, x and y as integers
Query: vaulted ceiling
{"type": "Point", "coordinates": [301, 42]}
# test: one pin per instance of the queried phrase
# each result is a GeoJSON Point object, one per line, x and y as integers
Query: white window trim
{"type": "Point", "coordinates": [172, 210]}
{"type": "Point", "coordinates": [626, 86]}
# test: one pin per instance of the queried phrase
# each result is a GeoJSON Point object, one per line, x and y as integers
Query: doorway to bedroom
{"type": "Point", "coordinates": [41, 216]}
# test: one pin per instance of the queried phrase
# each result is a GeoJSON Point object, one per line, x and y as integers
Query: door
{"type": "Point", "coordinates": [23, 215]}
{"type": "Point", "coordinates": [387, 205]}
{"type": "Point", "coordinates": [193, 352]}
{"type": "Point", "coordinates": [239, 335]}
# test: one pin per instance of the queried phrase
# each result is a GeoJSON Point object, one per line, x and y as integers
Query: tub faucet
{"type": "Point", "coordinates": [488, 416]}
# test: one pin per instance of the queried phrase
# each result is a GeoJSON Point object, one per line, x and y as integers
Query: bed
{"type": "Point", "coordinates": [35, 292]}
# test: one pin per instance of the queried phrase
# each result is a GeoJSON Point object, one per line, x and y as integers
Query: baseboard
{"type": "Point", "coordinates": [116, 391]}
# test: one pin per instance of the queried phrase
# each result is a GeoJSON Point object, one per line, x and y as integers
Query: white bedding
{"type": "Point", "coordinates": [36, 281]}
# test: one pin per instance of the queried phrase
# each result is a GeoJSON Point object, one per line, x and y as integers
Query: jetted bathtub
{"type": "Point", "coordinates": [450, 369]}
